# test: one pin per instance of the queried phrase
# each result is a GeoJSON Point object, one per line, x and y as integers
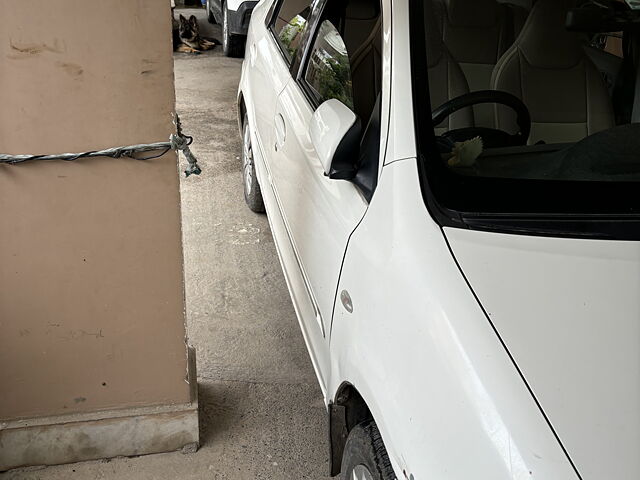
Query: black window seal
{"type": "Point", "coordinates": [271, 14]}
{"type": "Point", "coordinates": [303, 61]}
{"type": "Point", "coordinates": [271, 18]}
{"type": "Point", "coordinates": [424, 131]}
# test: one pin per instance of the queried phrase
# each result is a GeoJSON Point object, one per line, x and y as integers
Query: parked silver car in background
{"type": "Point", "coordinates": [234, 16]}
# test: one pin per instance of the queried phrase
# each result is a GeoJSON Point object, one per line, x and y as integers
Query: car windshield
{"type": "Point", "coordinates": [532, 105]}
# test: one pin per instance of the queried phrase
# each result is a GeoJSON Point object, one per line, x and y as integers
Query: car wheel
{"type": "Point", "coordinates": [252, 192]}
{"type": "Point", "coordinates": [232, 45]}
{"type": "Point", "coordinates": [365, 457]}
{"type": "Point", "coordinates": [210, 16]}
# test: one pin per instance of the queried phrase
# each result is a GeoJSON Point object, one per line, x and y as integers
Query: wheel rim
{"type": "Point", "coordinates": [361, 473]}
{"type": "Point", "coordinates": [247, 161]}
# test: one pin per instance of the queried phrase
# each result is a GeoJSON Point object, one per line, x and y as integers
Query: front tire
{"type": "Point", "coordinates": [252, 192]}
{"type": "Point", "coordinates": [232, 45]}
{"type": "Point", "coordinates": [365, 457]}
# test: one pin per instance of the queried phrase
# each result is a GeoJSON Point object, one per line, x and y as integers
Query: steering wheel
{"type": "Point", "coordinates": [491, 137]}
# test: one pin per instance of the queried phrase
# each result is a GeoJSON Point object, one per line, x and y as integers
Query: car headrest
{"type": "Point", "coordinates": [545, 42]}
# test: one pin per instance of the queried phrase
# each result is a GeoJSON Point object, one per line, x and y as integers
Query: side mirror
{"type": "Point", "coordinates": [335, 133]}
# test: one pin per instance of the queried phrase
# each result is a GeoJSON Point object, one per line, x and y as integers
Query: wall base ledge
{"type": "Point", "coordinates": [106, 434]}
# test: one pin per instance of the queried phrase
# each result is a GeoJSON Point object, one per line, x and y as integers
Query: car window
{"type": "Point", "coordinates": [562, 134]}
{"type": "Point", "coordinates": [289, 24]}
{"type": "Point", "coordinates": [550, 115]}
{"type": "Point", "coordinates": [343, 61]}
{"type": "Point", "coordinates": [328, 73]}
{"type": "Point", "coordinates": [343, 57]}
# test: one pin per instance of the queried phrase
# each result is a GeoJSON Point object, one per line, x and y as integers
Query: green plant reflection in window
{"type": "Point", "coordinates": [329, 71]}
{"type": "Point", "coordinates": [290, 35]}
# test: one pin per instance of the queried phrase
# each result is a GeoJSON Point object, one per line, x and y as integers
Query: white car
{"type": "Point", "coordinates": [452, 186]}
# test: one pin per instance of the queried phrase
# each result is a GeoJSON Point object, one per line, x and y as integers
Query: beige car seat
{"type": "Point", "coordinates": [478, 33]}
{"type": "Point", "coordinates": [446, 78]}
{"type": "Point", "coordinates": [548, 69]}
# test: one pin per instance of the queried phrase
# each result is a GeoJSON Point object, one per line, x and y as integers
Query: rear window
{"type": "Point", "coordinates": [288, 24]}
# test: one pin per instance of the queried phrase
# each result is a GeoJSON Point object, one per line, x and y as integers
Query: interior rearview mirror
{"type": "Point", "coordinates": [335, 133]}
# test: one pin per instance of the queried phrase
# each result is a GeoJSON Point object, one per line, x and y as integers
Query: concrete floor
{"type": "Point", "coordinates": [261, 410]}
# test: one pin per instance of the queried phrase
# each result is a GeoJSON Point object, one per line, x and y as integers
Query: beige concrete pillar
{"type": "Point", "coordinates": [92, 331]}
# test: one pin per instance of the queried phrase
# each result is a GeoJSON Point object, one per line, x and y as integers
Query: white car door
{"type": "Point", "coordinates": [270, 52]}
{"type": "Point", "coordinates": [320, 213]}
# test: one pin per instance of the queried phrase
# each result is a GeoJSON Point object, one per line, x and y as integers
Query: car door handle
{"type": "Point", "coordinates": [281, 131]}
